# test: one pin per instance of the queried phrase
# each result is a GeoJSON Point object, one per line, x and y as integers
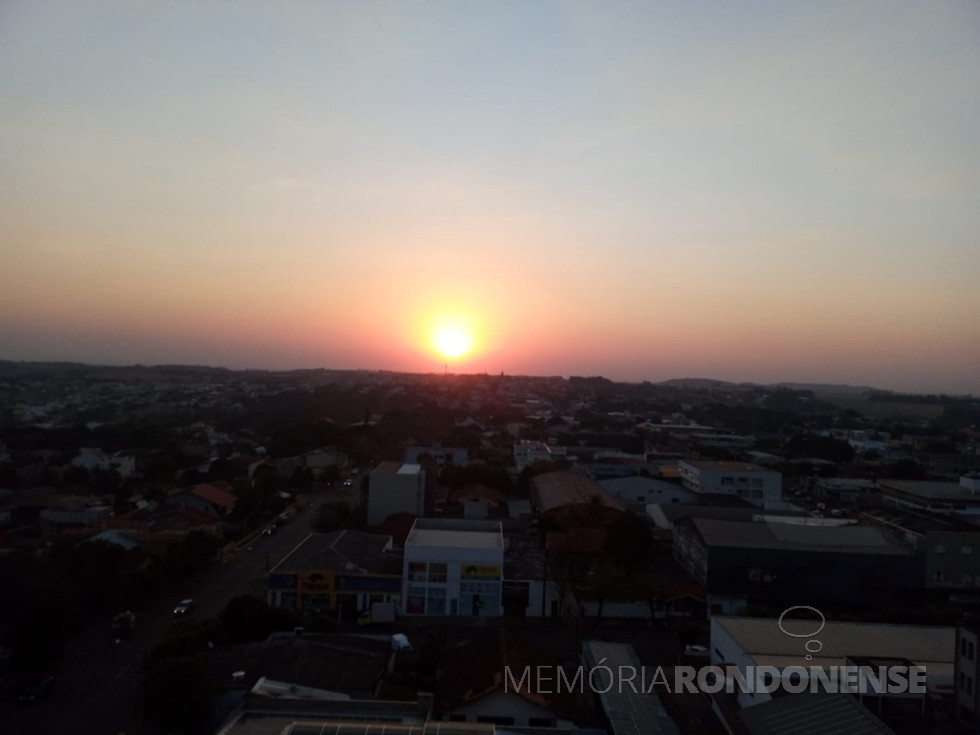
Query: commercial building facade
{"type": "Point", "coordinates": [453, 567]}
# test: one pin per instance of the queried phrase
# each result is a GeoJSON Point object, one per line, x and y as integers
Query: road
{"type": "Point", "coordinates": [97, 691]}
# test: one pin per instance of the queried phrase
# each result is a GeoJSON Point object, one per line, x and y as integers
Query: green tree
{"type": "Point", "coordinates": [248, 618]}
{"type": "Point", "coordinates": [177, 695]}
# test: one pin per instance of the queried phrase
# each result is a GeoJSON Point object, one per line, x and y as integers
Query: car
{"type": "Point", "coordinates": [184, 607]}
{"type": "Point", "coordinates": [347, 483]}
{"type": "Point", "coordinates": [269, 530]}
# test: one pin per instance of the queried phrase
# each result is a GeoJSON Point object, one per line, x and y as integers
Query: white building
{"type": "Point", "coordinates": [757, 642]}
{"type": "Point", "coordinates": [647, 490]}
{"type": "Point", "coordinates": [527, 452]}
{"type": "Point", "coordinates": [93, 458]}
{"type": "Point", "coordinates": [453, 567]}
{"type": "Point", "coordinates": [395, 488]}
{"type": "Point", "coordinates": [755, 484]}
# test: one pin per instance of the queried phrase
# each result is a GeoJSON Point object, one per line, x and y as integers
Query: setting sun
{"type": "Point", "coordinates": [452, 340]}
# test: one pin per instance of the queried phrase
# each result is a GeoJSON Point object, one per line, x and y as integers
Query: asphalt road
{"type": "Point", "coordinates": [97, 689]}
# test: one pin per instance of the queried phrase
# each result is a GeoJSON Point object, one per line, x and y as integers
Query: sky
{"type": "Point", "coordinates": [642, 190]}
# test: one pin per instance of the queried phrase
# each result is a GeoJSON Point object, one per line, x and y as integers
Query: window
{"type": "Point", "coordinates": [969, 650]}
{"type": "Point", "coordinates": [540, 722]}
{"type": "Point", "coordinates": [727, 480]}
{"type": "Point", "coordinates": [756, 483]}
{"type": "Point", "coordinates": [969, 685]}
{"type": "Point", "coordinates": [416, 571]}
{"type": "Point", "coordinates": [962, 646]}
{"type": "Point", "coordinates": [437, 572]}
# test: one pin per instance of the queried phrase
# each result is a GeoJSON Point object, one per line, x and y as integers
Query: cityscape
{"type": "Point", "coordinates": [443, 367]}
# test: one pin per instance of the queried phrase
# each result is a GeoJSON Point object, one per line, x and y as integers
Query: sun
{"type": "Point", "coordinates": [452, 341]}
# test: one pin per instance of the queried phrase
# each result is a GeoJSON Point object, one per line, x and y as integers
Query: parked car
{"type": "Point", "coordinates": [269, 530]}
{"type": "Point", "coordinates": [184, 607]}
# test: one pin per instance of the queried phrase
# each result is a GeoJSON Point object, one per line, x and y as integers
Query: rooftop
{"type": "Point", "coordinates": [397, 468]}
{"type": "Point", "coordinates": [343, 551]}
{"type": "Point", "coordinates": [726, 466]}
{"type": "Point", "coordinates": [762, 639]}
{"type": "Point", "coordinates": [456, 533]}
{"type": "Point", "coordinates": [819, 713]}
{"type": "Point", "coordinates": [557, 489]}
{"type": "Point", "coordinates": [930, 489]}
{"type": "Point", "coordinates": [795, 537]}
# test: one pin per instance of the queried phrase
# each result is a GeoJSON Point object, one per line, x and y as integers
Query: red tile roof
{"type": "Point", "coordinates": [214, 495]}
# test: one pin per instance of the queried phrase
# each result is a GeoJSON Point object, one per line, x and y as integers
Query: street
{"type": "Point", "coordinates": [97, 689]}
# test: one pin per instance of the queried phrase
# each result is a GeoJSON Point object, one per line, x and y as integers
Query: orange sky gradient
{"type": "Point", "coordinates": [642, 193]}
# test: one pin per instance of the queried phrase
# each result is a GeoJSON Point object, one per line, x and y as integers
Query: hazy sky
{"type": "Point", "coordinates": [642, 190]}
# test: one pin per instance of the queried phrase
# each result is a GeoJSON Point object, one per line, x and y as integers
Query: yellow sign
{"type": "Point", "coordinates": [480, 571]}
{"type": "Point", "coordinates": [316, 583]}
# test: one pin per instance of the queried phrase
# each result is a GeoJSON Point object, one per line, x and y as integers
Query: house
{"type": "Point", "coordinates": [209, 498]}
{"type": "Point", "coordinates": [394, 487]}
{"type": "Point", "coordinates": [482, 681]}
{"type": "Point", "coordinates": [565, 499]}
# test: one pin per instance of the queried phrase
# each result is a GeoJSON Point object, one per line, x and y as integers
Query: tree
{"type": "Point", "coordinates": [630, 541]}
{"type": "Point", "coordinates": [248, 618]}
{"type": "Point", "coordinates": [177, 695]}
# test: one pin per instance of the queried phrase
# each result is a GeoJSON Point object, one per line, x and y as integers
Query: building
{"type": "Point", "coordinates": [950, 547]}
{"type": "Point", "coordinates": [527, 589]}
{"type": "Point", "coordinates": [340, 573]}
{"type": "Point", "coordinates": [745, 642]}
{"type": "Point", "coordinates": [483, 681]}
{"type": "Point", "coordinates": [966, 692]}
{"type": "Point", "coordinates": [319, 460]}
{"type": "Point", "coordinates": [783, 563]}
{"type": "Point", "coordinates": [93, 458]}
{"type": "Point", "coordinates": [647, 490]}
{"type": "Point", "coordinates": [847, 490]}
{"type": "Point", "coordinates": [757, 485]}
{"type": "Point", "coordinates": [933, 497]}
{"type": "Point", "coordinates": [628, 709]}
{"type": "Point", "coordinates": [393, 488]}
{"type": "Point", "coordinates": [565, 499]}
{"type": "Point", "coordinates": [527, 452]}
{"type": "Point", "coordinates": [453, 567]}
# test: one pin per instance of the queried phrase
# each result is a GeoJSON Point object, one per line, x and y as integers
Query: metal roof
{"type": "Point", "coordinates": [812, 714]}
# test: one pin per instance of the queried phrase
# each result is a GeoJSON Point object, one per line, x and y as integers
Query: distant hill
{"type": "Point", "coordinates": [695, 383]}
